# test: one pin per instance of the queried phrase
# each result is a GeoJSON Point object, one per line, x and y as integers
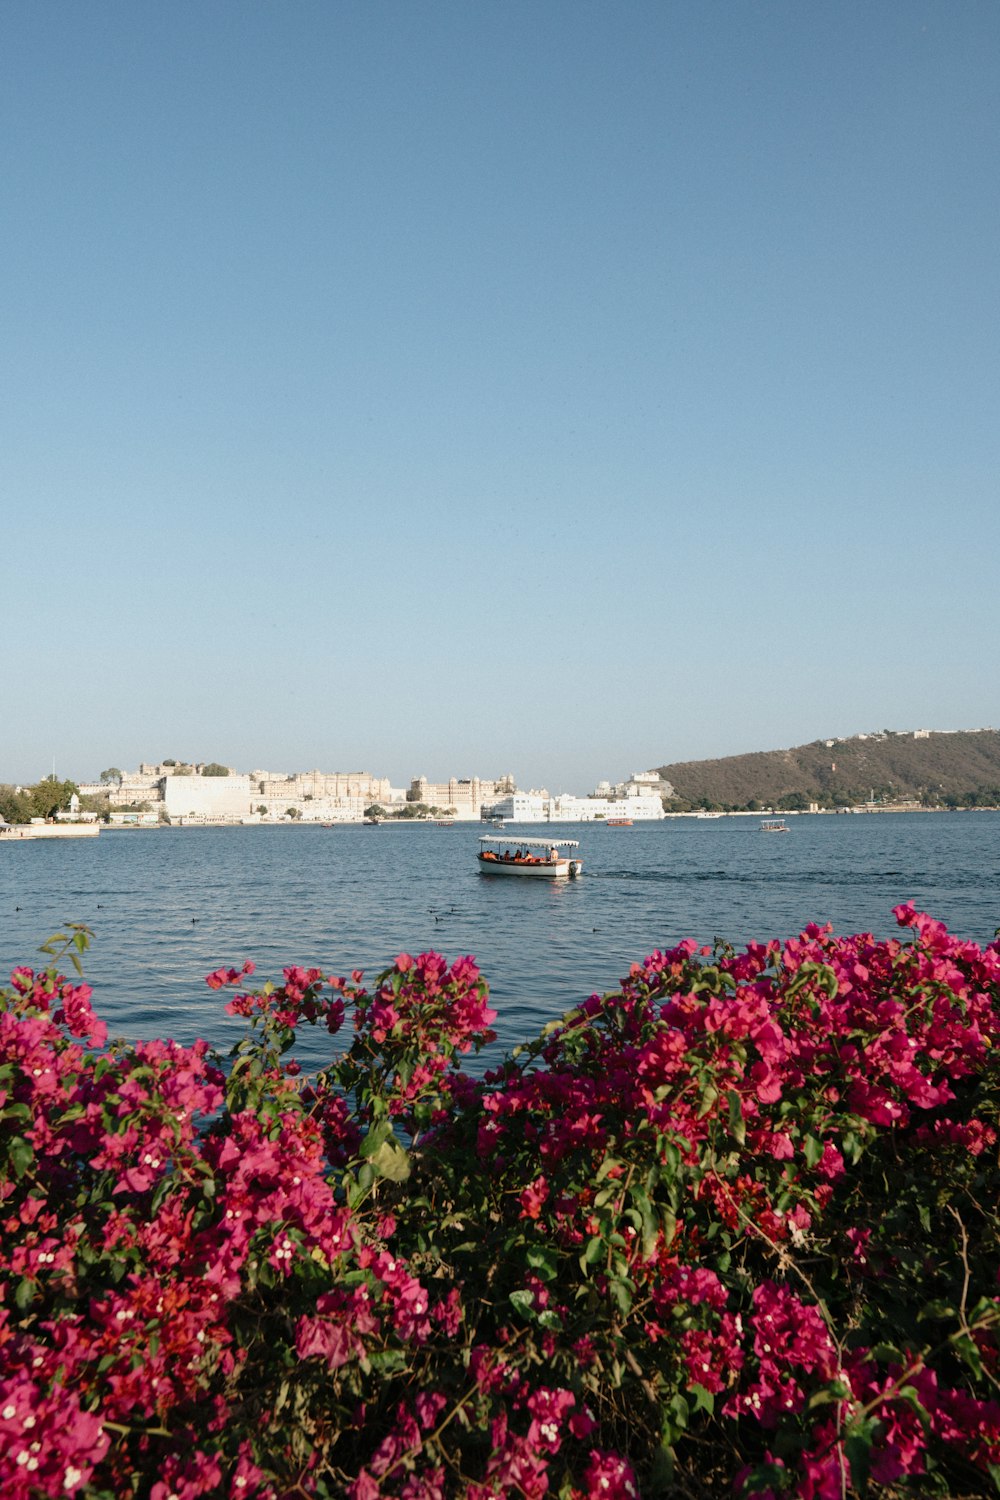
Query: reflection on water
{"type": "Point", "coordinates": [168, 906]}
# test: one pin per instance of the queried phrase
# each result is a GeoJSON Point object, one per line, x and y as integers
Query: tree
{"type": "Point", "coordinates": [214, 769]}
{"type": "Point", "coordinates": [293, 813]}
{"type": "Point", "coordinates": [375, 811]}
{"type": "Point", "coordinates": [50, 796]}
{"type": "Point", "coordinates": [415, 810]}
{"type": "Point", "coordinates": [15, 805]}
{"type": "Point", "coordinates": [112, 776]}
{"type": "Point", "coordinates": [99, 802]}
{"type": "Point", "coordinates": [262, 810]}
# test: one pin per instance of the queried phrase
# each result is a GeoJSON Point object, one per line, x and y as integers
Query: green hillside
{"type": "Point", "coordinates": [938, 769]}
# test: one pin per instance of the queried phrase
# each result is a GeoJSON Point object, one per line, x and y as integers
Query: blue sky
{"type": "Point", "coordinates": [459, 388]}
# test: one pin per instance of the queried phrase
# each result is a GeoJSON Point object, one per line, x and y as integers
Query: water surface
{"type": "Point", "coordinates": [168, 906]}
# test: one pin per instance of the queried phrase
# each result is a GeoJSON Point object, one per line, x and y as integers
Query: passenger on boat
{"type": "Point", "coordinates": [553, 856]}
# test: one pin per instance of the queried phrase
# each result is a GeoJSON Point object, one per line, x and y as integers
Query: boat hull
{"type": "Point", "coordinates": [561, 869]}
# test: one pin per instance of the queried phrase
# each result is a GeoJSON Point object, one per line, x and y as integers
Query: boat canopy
{"type": "Point", "coordinates": [520, 843]}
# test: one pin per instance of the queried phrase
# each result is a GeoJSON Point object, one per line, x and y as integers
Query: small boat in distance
{"type": "Point", "coordinates": [515, 857]}
{"type": "Point", "coordinates": [618, 822]}
{"type": "Point", "coordinates": [773, 825]}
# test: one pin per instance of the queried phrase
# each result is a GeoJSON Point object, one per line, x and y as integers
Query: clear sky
{"type": "Point", "coordinates": [449, 388]}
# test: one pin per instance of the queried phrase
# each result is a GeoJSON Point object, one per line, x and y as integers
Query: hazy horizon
{"type": "Point", "coordinates": [554, 785]}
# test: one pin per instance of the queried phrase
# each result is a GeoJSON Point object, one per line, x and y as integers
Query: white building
{"type": "Point", "coordinates": [534, 807]}
{"type": "Point", "coordinates": [207, 799]}
{"type": "Point", "coordinates": [639, 784]}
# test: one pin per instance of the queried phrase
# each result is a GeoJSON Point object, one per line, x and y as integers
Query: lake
{"type": "Point", "coordinates": [168, 906]}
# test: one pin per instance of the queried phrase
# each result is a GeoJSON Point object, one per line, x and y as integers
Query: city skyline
{"type": "Point", "coordinates": [155, 770]}
{"type": "Point", "coordinates": [573, 388]}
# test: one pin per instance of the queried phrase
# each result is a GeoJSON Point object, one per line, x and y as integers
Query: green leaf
{"type": "Point", "coordinates": [543, 1260]}
{"type": "Point", "coordinates": [391, 1161]}
{"type": "Point", "coordinates": [650, 1233]}
{"type": "Point", "coordinates": [812, 1150]}
{"type": "Point", "coordinates": [20, 1154]}
{"type": "Point", "coordinates": [524, 1302]}
{"type": "Point", "coordinates": [910, 1394]}
{"type": "Point", "coordinates": [703, 1399]}
{"type": "Point", "coordinates": [621, 1291]}
{"type": "Point", "coordinates": [967, 1350]}
{"type": "Point", "coordinates": [375, 1138]}
{"type": "Point", "coordinates": [887, 1354]}
{"type": "Point", "coordinates": [593, 1252]}
{"type": "Point", "coordinates": [737, 1126]}
{"type": "Point", "coordinates": [357, 1188]}
{"type": "Point", "coordinates": [607, 1165]}
{"type": "Point", "coordinates": [388, 1361]}
{"type": "Point", "coordinates": [837, 1390]}
{"type": "Point", "coordinates": [680, 1411]}
{"type": "Point", "coordinates": [858, 1447]}
{"type": "Point", "coordinates": [661, 1472]}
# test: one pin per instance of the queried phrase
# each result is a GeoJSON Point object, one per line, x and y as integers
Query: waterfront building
{"type": "Point", "coordinates": [464, 797]}
{"type": "Point", "coordinates": [135, 786]}
{"type": "Point", "coordinates": [519, 807]}
{"type": "Point", "coordinates": [639, 784]}
{"type": "Point", "coordinates": [638, 799]}
{"type": "Point", "coordinates": [318, 786]}
{"type": "Point", "coordinates": [206, 799]}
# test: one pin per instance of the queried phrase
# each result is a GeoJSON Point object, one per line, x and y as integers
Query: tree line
{"type": "Point", "coordinates": [19, 804]}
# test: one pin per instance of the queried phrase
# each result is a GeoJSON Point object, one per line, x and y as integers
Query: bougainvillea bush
{"type": "Point", "coordinates": [728, 1230]}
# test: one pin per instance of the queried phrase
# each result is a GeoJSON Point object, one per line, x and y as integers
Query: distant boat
{"type": "Point", "coordinates": [773, 825]}
{"type": "Point", "coordinates": [618, 822]}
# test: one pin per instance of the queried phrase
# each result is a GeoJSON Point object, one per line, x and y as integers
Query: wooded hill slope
{"type": "Point", "coordinates": [960, 769]}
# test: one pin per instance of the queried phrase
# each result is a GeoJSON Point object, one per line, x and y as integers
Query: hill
{"type": "Point", "coordinates": [933, 768]}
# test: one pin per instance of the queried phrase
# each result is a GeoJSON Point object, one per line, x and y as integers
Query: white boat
{"type": "Point", "coordinates": [773, 825]}
{"type": "Point", "coordinates": [518, 857]}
